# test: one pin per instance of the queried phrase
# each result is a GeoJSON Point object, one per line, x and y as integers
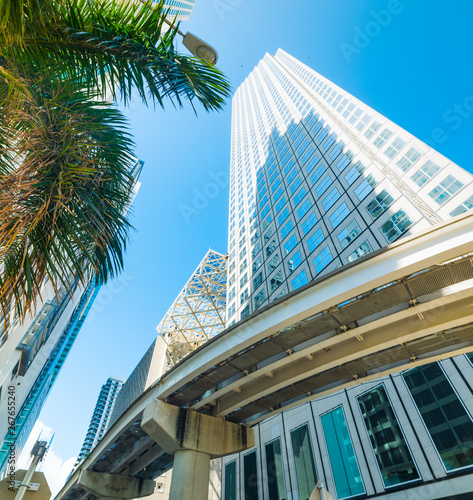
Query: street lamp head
{"type": "Point", "coordinates": [199, 48]}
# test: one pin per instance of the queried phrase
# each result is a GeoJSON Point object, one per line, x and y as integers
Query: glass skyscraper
{"type": "Point", "coordinates": [319, 179]}
{"type": "Point", "coordinates": [179, 9]}
{"type": "Point", "coordinates": [101, 416]}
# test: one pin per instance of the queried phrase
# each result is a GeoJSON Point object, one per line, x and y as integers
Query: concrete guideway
{"type": "Point", "coordinates": [408, 304]}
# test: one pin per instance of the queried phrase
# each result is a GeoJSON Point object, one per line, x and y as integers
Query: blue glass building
{"type": "Point", "coordinates": [319, 179]}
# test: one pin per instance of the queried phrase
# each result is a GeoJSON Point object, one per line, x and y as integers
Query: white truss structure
{"type": "Point", "coordinates": [198, 313]}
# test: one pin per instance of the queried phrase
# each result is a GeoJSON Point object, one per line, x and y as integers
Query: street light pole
{"type": "Point", "coordinates": [194, 44]}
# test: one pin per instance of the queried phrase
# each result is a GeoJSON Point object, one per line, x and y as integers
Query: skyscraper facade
{"type": "Point", "coordinates": [101, 416]}
{"type": "Point", "coordinates": [319, 179]}
{"type": "Point", "coordinates": [179, 9]}
{"type": "Point", "coordinates": [34, 353]}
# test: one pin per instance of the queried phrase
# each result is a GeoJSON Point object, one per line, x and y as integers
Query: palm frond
{"type": "Point", "coordinates": [111, 46]}
{"type": "Point", "coordinates": [16, 16]}
{"type": "Point", "coordinates": [62, 206]}
{"type": "Point", "coordinates": [65, 152]}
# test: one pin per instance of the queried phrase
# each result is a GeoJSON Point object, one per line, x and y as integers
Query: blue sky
{"type": "Point", "coordinates": [408, 59]}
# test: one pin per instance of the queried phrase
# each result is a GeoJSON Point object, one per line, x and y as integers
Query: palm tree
{"type": "Point", "coordinates": [65, 150]}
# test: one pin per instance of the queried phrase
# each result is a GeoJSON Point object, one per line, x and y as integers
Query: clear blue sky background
{"type": "Point", "coordinates": [413, 70]}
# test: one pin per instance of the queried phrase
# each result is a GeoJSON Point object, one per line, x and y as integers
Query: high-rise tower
{"type": "Point", "coordinates": [318, 179]}
{"type": "Point", "coordinates": [179, 9]}
{"type": "Point", "coordinates": [101, 416]}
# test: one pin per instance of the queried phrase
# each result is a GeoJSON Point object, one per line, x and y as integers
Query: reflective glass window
{"type": "Point", "coordinates": [339, 214]}
{"type": "Point", "coordinates": [323, 259]}
{"type": "Point", "coordinates": [365, 187]}
{"type": "Point", "coordinates": [464, 207]}
{"type": "Point", "coordinates": [377, 206]}
{"type": "Point", "coordinates": [443, 192]}
{"type": "Point", "coordinates": [449, 424]}
{"type": "Point", "coordinates": [345, 470]}
{"type": "Point", "coordinates": [275, 475]}
{"type": "Point", "coordinates": [299, 280]}
{"type": "Point", "coordinates": [354, 172]}
{"type": "Point", "coordinates": [395, 147]}
{"type": "Point", "coordinates": [347, 235]}
{"type": "Point", "coordinates": [323, 186]}
{"type": "Point", "coordinates": [250, 476]}
{"type": "Point", "coordinates": [396, 225]}
{"type": "Point", "coordinates": [290, 244]}
{"type": "Point", "coordinates": [315, 240]}
{"type": "Point", "coordinates": [425, 173]}
{"type": "Point", "coordinates": [309, 223]}
{"type": "Point", "coordinates": [230, 481]}
{"type": "Point", "coordinates": [406, 162]}
{"type": "Point", "coordinates": [363, 249]}
{"type": "Point", "coordinates": [389, 446]}
{"type": "Point", "coordinates": [303, 461]}
{"type": "Point", "coordinates": [330, 199]}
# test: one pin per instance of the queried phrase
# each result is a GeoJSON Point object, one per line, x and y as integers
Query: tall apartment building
{"type": "Point", "coordinates": [319, 179]}
{"type": "Point", "coordinates": [32, 354]}
{"type": "Point", "coordinates": [179, 9]}
{"type": "Point", "coordinates": [101, 416]}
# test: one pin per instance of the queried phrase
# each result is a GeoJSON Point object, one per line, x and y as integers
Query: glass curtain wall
{"type": "Point", "coordinates": [449, 424]}
{"type": "Point", "coordinates": [303, 461]}
{"type": "Point", "coordinates": [250, 476]}
{"type": "Point", "coordinates": [345, 470]}
{"type": "Point", "coordinates": [390, 448]}
{"type": "Point", "coordinates": [276, 489]}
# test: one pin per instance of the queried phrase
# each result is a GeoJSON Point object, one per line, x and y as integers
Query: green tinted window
{"type": "Point", "coordinates": [303, 461]}
{"type": "Point", "coordinates": [446, 419]}
{"type": "Point", "coordinates": [230, 481]}
{"type": "Point", "coordinates": [389, 446]}
{"type": "Point", "coordinates": [342, 456]}
{"type": "Point", "coordinates": [274, 471]}
{"type": "Point", "coordinates": [250, 476]}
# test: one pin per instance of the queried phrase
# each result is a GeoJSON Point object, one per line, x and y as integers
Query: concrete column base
{"type": "Point", "coordinates": [177, 429]}
{"type": "Point", "coordinates": [193, 438]}
{"type": "Point", "coordinates": [190, 476]}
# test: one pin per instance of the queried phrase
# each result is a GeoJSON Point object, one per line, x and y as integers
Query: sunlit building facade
{"type": "Point", "coordinates": [318, 180]}
{"type": "Point", "coordinates": [101, 416]}
{"type": "Point", "coordinates": [180, 10]}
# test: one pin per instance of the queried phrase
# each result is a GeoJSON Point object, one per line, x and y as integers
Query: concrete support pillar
{"type": "Point", "coordinates": [193, 438]}
{"type": "Point", "coordinates": [190, 475]}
